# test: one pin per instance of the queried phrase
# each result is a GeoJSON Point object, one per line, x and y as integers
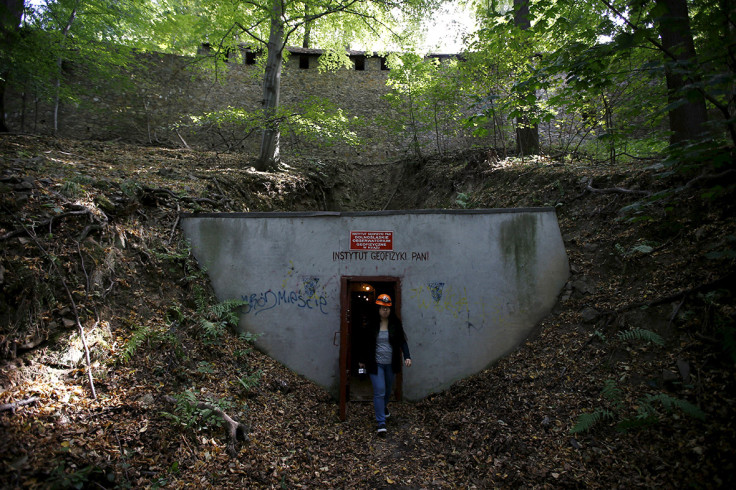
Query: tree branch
{"type": "Point", "coordinates": [234, 430]}
{"type": "Point", "coordinates": [248, 31]}
{"type": "Point", "coordinates": [613, 190]}
{"type": "Point", "coordinates": [13, 406]}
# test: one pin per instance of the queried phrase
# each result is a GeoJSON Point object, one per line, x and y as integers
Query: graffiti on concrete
{"type": "Point", "coordinates": [306, 297]}
{"type": "Point", "coordinates": [444, 298]}
{"type": "Point", "coordinates": [435, 289]}
{"type": "Point", "coordinates": [309, 285]}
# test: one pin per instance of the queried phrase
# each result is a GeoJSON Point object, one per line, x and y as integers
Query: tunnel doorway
{"type": "Point", "coordinates": [357, 305]}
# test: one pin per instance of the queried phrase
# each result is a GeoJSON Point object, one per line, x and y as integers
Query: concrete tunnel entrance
{"type": "Point", "coordinates": [469, 285]}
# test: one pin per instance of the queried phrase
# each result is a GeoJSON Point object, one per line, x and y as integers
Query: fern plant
{"type": "Point", "coordinates": [610, 392]}
{"type": "Point", "coordinates": [613, 393]}
{"type": "Point", "coordinates": [647, 412]}
{"type": "Point", "coordinates": [227, 311]}
{"type": "Point", "coordinates": [641, 334]}
{"type": "Point", "coordinates": [212, 319]}
{"type": "Point", "coordinates": [188, 413]}
{"type": "Point", "coordinates": [140, 335]}
{"type": "Point", "coordinates": [648, 407]}
{"type": "Point", "coordinates": [184, 409]}
{"type": "Point", "coordinates": [250, 381]}
{"type": "Point", "coordinates": [587, 420]}
{"type": "Point", "coordinates": [215, 319]}
{"type": "Point", "coordinates": [249, 337]}
{"type": "Point", "coordinates": [462, 200]}
{"type": "Point", "coordinates": [147, 334]}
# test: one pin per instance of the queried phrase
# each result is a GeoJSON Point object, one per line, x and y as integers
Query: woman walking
{"type": "Point", "coordinates": [385, 345]}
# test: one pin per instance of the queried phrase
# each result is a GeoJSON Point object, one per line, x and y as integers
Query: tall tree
{"type": "Point", "coordinates": [687, 114]}
{"type": "Point", "coordinates": [328, 24]}
{"type": "Point", "coordinates": [503, 60]}
{"type": "Point", "coordinates": [60, 60]}
{"type": "Point", "coordinates": [692, 82]}
{"type": "Point", "coordinates": [77, 34]}
{"type": "Point", "coordinates": [270, 147]}
{"type": "Point", "coordinates": [426, 97]}
{"type": "Point", "coordinates": [307, 37]}
{"type": "Point", "coordinates": [288, 17]}
{"type": "Point", "coordinates": [11, 13]}
{"type": "Point", "coordinates": [527, 131]}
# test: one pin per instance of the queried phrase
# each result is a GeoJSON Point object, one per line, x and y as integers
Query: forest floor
{"type": "Point", "coordinates": [643, 338]}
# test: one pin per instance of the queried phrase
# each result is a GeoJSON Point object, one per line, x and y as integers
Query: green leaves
{"type": "Point", "coordinates": [650, 409]}
{"type": "Point", "coordinates": [641, 334]}
{"type": "Point", "coordinates": [427, 96]}
{"type": "Point", "coordinates": [586, 421]}
{"type": "Point", "coordinates": [215, 319]}
{"type": "Point", "coordinates": [250, 381]}
{"type": "Point", "coordinates": [188, 414]}
{"type": "Point", "coordinates": [139, 336]}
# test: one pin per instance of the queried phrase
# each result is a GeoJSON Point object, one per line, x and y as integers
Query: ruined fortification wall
{"type": "Point", "coordinates": [158, 94]}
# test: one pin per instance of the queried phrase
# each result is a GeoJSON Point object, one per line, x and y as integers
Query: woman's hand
{"type": "Point", "coordinates": [407, 362]}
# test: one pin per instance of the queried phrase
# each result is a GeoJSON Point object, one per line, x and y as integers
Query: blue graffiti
{"type": "Point", "coordinates": [310, 285]}
{"type": "Point", "coordinates": [268, 300]}
{"type": "Point", "coordinates": [435, 289]}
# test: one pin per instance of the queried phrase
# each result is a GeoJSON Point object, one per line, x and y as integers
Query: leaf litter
{"type": "Point", "coordinates": [107, 213]}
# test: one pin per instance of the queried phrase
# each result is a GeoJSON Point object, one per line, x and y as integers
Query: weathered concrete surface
{"type": "Point", "coordinates": [474, 283]}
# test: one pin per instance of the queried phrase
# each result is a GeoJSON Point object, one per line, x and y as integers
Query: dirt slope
{"type": "Point", "coordinates": [88, 236]}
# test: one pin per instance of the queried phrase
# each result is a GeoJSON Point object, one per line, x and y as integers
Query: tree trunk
{"type": "Point", "coordinates": [307, 35]}
{"type": "Point", "coordinates": [527, 135]}
{"type": "Point", "coordinates": [59, 63]}
{"type": "Point", "coordinates": [3, 126]}
{"type": "Point", "coordinates": [687, 115]}
{"type": "Point", "coordinates": [307, 40]}
{"type": "Point", "coordinates": [11, 13]}
{"type": "Point", "coordinates": [269, 157]}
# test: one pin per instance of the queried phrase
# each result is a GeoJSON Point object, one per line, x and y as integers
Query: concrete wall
{"type": "Point", "coordinates": [474, 282]}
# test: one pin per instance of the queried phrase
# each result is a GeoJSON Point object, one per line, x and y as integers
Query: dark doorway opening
{"type": "Point", "coordinates": [358, 306]}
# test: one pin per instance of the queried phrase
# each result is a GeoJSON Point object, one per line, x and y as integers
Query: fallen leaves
{"type": "Point", "coordinates": [506, 427]}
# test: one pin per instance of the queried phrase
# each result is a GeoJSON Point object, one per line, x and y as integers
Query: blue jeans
{"type": "Point", "coordinates": [382, 383]}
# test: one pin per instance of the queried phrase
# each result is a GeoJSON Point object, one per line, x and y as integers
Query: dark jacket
{"type": "Point", "coordinates": [397, 339]}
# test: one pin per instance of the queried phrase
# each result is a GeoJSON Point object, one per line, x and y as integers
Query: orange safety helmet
{"type": "Point", "coordinates": [384, 300]}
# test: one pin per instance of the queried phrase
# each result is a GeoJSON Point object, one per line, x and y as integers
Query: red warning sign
{"type": "Point", "coordinates": [371, 240]}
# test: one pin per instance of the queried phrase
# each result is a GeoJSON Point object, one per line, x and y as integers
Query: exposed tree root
{"type": "Point", "coordinates": [234, 430]}
{"type": "Point", "coordinates": [614, 190]}
{"type": "Point", "coordinates": [49, 222]}
{"type": "Point", "coordinates": [82, 335]}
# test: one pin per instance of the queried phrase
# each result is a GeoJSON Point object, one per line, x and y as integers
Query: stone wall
{"type": "Point", "coordinates": [151, 100]}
